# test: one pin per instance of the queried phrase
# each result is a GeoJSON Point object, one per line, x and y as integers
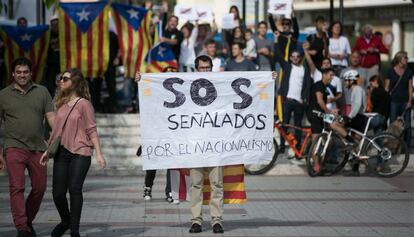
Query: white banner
{"type": "Point", "coordinates": [201, 13]}
{"type": "Point", "coordinates": [227, 21]}
{"type": "Point", "coordinates": [280, 7]}
{"type": "Point", "coordinates": [206, 119]}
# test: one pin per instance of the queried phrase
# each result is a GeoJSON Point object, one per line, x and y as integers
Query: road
{"type": "Point", "coordinates": [288, 206]}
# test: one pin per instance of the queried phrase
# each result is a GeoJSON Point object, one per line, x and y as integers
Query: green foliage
{"type": "Point", "coordinates": [50, 3]}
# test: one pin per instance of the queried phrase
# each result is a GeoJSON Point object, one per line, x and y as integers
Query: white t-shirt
{"type": "Point", "coordinates": [187, 53]}
{"type": "Point", "coordinates": [217, 64]}
{"type": "Point", "coordinates": [250, 50]}
{"type": "Point", "coordinates": [296, 82]}
{"type": "Point", "coordinates": [336, 83]}
{"type": "Point", "coordinates": [339, 46]}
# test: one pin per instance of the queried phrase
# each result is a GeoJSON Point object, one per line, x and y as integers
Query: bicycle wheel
{"type": "Point", "coordinates": [336, 156]}
{"type": "Point", "coordinates": [256, 169]}
{"type": "Point", "coordinates": [314, 156]}
{"type": "Point", "coordinates": [392, 157]}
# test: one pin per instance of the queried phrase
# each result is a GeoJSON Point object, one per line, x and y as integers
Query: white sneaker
{"type": "Point", "coordinates": [147, 193]}
{"type": "Point", "coordinates": [176, 201]}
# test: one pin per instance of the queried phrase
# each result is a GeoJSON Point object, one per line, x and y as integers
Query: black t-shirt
{"type": "Point", "coordinates": [174, 34]}
{"type": "Point", "coordinates": [317, 44]}
{"type": "Point", "coordinates": [400, 93]}
{"type": "Point", "coordinates": [380, 101]}
{"type": "Point", "coordinates": [313, 103]}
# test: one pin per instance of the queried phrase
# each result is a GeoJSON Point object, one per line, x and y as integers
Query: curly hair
{"type": "Point", "coordinates": [79, 87]}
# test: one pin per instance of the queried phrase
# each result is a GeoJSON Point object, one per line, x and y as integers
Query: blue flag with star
{"type": "Point", "coordinates": [83, 13]}
{"type": "Point", "coordinates": [160, 57]}
{"type": "Point", "coordinates": [133, 15]}
{"type": "Point", "coordinates": [25, 37]}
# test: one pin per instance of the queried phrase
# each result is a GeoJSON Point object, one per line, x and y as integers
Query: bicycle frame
{"type": "Point", "coordinates": [307, 130]}
{"type": "Point", "coordinates": [364, 137]}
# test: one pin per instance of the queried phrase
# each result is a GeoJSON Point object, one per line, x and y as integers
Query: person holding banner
{"type": "Point", "coordinates": [204, 63]}
{"type": "Point", "coordinates": [23, 107]}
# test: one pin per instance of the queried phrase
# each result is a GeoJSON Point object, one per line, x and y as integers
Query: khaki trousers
{"type": "Point", "coordinates": [216, 198]}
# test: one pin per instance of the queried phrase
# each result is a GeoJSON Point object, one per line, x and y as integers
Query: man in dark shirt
{"type": "Point", "coordinates": [172, 36]}
{"type": "Point", "coordinates": [23, 108]}
{"type": "Point", "coordinates": [318, 100]}
{"type": "Point", "coordinates": [380, 100]}
{"type": "Point", "coordinates": [287, 38]}
{"type": "Point", "coordinates": [239, 62]}
{"type": "Point", "coordinates": [319, 42]}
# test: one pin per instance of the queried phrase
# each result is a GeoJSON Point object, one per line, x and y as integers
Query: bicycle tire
{"type": "Point", "coordinates": [257, 169]}
{"type": "Point", "coordinates": [390, 164]}
{"type": "Point", "coordinates": [306, 150]}
{"type": "Point", "coordinates": [336, 156]}
{"type": "Point", "coordinates": [315, 149]}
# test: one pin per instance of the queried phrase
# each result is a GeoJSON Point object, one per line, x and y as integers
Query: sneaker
{"type": "Point", "coordinates": [32, 231]}
{"type": "Point", "coordinates": [351, 173]}
{"type": "Point", "coordinates": [23, 233]}
{"type": "Point", "coordinates": [217, 229]}
{"type": "Point", "coordinates": [147, 193]}
{"type": "Point", "coordinates": [195, 228]}
{"type": "Point", "coordinates": [316, 167]}
{"type": "Point", "coordinates": [282, 149]}
{"type": "Point", "coordinates": [384, 168]}
{"type": "Point", "coordinates": [176, 201]}
{"type": "Point", "coordinates": [59, 230]}
{"type": "Point", "coordinates": [169, 198]}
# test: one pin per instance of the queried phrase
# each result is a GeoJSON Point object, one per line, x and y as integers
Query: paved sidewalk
{"type": "Point", "coordinates": [289, 206]}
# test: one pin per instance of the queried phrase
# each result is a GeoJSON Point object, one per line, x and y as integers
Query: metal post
{"type": "Point", "coordinates": [256, 12]}
{"type": "Point", "coordinates": [331, 11]}
{"type": "Point", "coordinates": [10, 9]}
{"type": "Point", "coordinates": [341, 11]}
{"type": "Point", "coordinates": [38, 11]}
{"type": "Point", "coordinates": [244, 11]}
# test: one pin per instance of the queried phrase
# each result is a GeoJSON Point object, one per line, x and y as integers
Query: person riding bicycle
{"type": "Point", "coordinates": [356, 118]}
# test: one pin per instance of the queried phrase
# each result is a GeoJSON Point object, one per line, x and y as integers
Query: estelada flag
{"type": "Point", "coordinates": [134, 37]}
{"type": "Point", "coordinates": [233, 184]}
{"type": "Point", "coordinates": [29, 42]}
{"type": "Point", "coordinates": [84, 37]}
{"type": "Point", "coordinates": [160, 57]}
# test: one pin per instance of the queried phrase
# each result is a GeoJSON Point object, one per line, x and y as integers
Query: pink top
{"type": "Point", "coordinates": [80, 127]}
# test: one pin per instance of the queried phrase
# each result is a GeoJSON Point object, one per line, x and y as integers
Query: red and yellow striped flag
{"type": "Point", "coordinates": [84, 37]}
{"type": "Point", "coordinates": [233, 182]}
{"type": "Point", "coordinates": [29, 42]}
{"type": "Point", "coordinates": [134, 37]}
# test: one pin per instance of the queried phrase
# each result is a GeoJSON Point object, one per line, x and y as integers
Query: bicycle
{"type": "Point", "coordinates": [327, 149]}
{"type": "Point", "coordinates": [387, 153]}
{"type": "Point", "coordinates": [299, 153]}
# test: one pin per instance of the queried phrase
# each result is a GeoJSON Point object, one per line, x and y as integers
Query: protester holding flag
{"type": "Point", "coordinates": [172, 36]}
{"type": "Point", "coordinates": [76, 127]}
{"type": "Point", "coordinates": [23, 108]}
{"type": "Point", "coordinates": [294, 89]}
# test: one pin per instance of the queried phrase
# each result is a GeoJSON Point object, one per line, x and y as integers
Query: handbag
{"type": "Point", "coordinates": [54, 145]}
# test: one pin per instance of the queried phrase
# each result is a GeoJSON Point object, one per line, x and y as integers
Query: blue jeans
{"type": "Point", "coordinates": [378, 123]}
{"type": "Point", "coordinates": [292, 106]}
{"type": "Point", "coordinates": [397, 109]}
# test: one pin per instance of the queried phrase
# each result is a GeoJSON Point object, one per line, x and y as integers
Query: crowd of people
{"type": "Point", "coordinates": [324, 73]}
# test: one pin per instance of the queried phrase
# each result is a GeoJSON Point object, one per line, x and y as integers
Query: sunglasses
{"type": "Point", "coordinates": [64, 79]}
{"type": "Point", "coordinates": [285, 23]}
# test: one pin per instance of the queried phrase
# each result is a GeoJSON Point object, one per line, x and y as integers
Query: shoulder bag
{"type": "Point", "coordinates": [54, 145]}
